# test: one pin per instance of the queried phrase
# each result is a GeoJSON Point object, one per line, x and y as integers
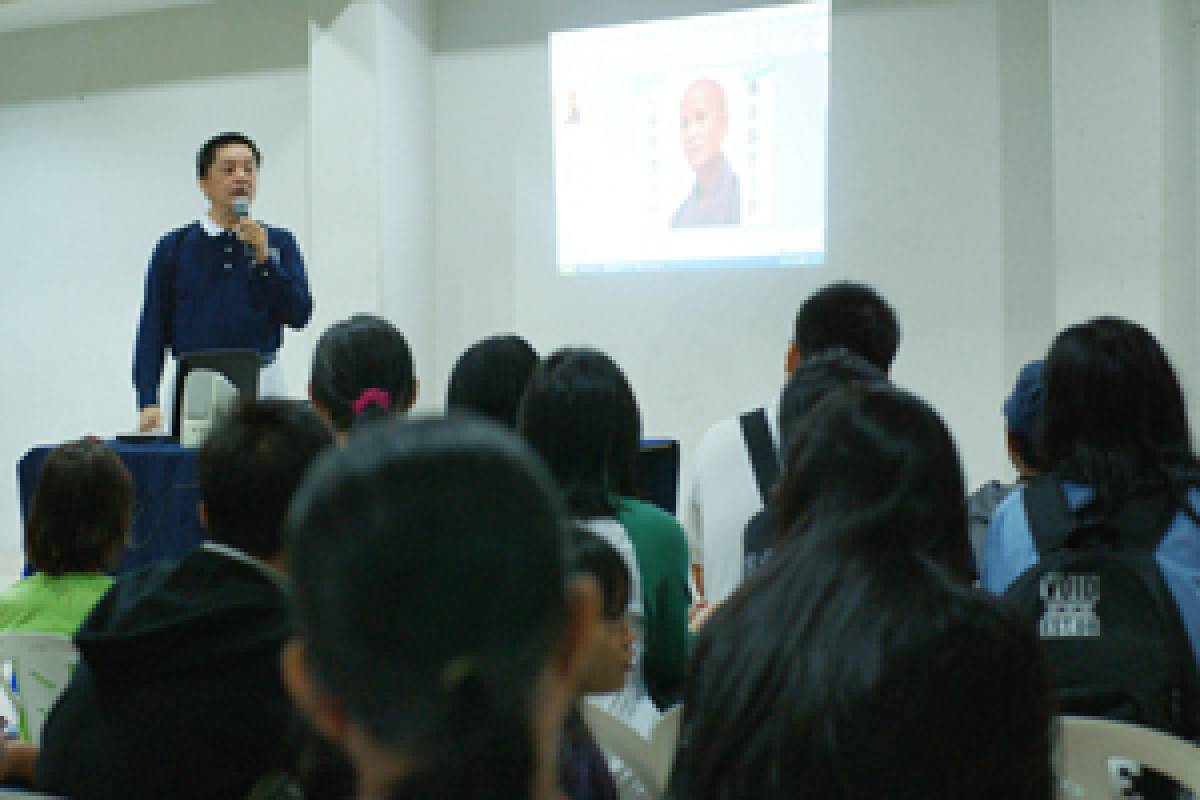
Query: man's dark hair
{"type": "Point", "coordinates": [852, 316]}
{"type": "Point", "coordinates": [490, 377]}
{"type": "Point", "coordinates": [80, 511]}
{"type": "Point", "coordinates": [250, 466]}
{"type": "Point", "coordinates": [208, 152]}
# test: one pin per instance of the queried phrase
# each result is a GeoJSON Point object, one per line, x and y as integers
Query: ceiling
{"type": "Point", "coordinates": [19, 15]}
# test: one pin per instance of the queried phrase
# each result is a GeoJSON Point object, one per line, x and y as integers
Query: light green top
{"type": "Point", "coordinates": [45, 604]}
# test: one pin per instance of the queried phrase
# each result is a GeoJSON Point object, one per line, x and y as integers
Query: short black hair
{"type": "Point", "coordinates": [81, 510]}
{"type": "Point", "coordinates": [490, 377]}
{"type": "Point", "coordinates": [428, 566]}
{"type": "Point", "coordinates": [208, 151]}
{"type": "Point", "coordinates": [849, 315]}
{"type": "Point", "coordinates": [355, 355]}
{"type": "Point", "coordinates": [594, 556]}
{"type": "Point", "coordinates": [249, 467]}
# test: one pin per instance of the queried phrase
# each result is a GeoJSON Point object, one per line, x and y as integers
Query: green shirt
{"type": "Point", "coordinates": [660, 547]}
{"type": "Point", "coordinates": [45, 604]}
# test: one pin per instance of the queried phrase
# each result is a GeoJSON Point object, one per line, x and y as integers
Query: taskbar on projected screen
{"type": "Point", "coordinates": [815, 259]}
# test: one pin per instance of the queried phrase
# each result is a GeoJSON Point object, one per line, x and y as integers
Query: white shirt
{"type": "Point", "coordinates": [722, 497]}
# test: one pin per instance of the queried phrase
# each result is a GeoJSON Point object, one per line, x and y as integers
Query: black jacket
{"type": "Point", "coordinates": [178, 692]}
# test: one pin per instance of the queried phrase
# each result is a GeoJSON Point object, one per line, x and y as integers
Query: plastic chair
{"type": "Point", "coordinates": [42, 664]}
{"type": "Point", "coordinates": [1098, 757]}
{"type": "Point", "coordinates": [649, 760]}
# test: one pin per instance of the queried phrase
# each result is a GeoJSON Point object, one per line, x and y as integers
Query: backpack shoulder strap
{"type": "Point", "coordinates": [763, 457]}
{"type": "Point", "coordinates": [1050, 518]}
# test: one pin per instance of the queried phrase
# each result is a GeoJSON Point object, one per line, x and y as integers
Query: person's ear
{"type": "Point", "coordinates": [583, 616]}
{"type": "Point", "coordinates": [412, 398]}
{"type": "Point", "coordinates": [793, 359]}
{"type": "Point", "coordinates": [322, 711]}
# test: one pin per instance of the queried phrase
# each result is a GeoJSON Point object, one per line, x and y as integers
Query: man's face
{"type": "Point", "coordinates": [233, 174]}
{"type": "Point", "coordinates": [703, 122]}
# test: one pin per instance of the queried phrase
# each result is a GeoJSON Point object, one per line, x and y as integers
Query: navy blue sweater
{"type": "Point", "coordinates": [204, 292]}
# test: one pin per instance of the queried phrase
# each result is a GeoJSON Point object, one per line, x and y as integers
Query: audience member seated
{"type": "Point", "coordinates": [583, 767]}
{"type": "Point", "coordinates": [878, 461]}
{"type": "Point", "coordinates": [843, 672]}
{"type": "Point", "coordinates": [439, 637]}
{"type": "Point", "coordinates": [723, 493]}
{"type": "Point", "coordinates": [490, 377]}
{"type": "Point", "coordinates": [1125, 480]}
{"type": "Point", "coordinates": [1022, 412]}
{"type": "Point", "coordinates": [178, 693]}
{"type": "Point", "coordinates": [808, 384]}
{"type": "Point", "coordinates": [75, 532]}
{"type": "Point", "coordinates": [580, 413]}
{"type": "Point", "coordinates": [362, 369]}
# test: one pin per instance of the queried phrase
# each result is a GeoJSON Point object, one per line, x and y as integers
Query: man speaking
{"type": "Point", "coordinates": [224, 281]}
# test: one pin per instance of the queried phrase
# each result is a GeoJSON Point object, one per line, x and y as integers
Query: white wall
{"type": "Point", "coordinates": [99, 125]}
{"type": "Point", "coordinates": [914, 208]}
{"type": "Point", "coordinates": [997, 167]}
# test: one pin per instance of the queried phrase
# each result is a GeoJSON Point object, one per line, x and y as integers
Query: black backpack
{"type": "Point", "coordinates": [1109, 626]}
{"type": "Point", "coordinates": [759, 534]}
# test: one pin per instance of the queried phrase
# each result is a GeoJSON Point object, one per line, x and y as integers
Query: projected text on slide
{"type": "Point", "coordinates": [692, 143]}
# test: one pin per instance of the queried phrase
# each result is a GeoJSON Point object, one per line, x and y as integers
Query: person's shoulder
{"type": "Point", "coordinates": [172, 239]}
{"type": "Point", "coordinates": [644, 519]}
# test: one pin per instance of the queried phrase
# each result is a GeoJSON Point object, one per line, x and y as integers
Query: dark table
{"type": "Point", "coordinates": [165, 525]}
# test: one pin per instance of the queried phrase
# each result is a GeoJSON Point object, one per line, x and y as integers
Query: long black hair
{"type": "Point", "coordinates": [580, 414]}
{"type": "Point", "coordinates": [841, 671]}
{"type": "Point", "coordinates": [428, 566]}
{"type": "Point", "coordinates": [1114, 417]}
{"type": "Point", "coordinates": [875, 458]}
{"type": "Point", "coordinates": [362, 368]}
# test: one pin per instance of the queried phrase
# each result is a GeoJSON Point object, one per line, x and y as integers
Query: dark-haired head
{"type": "Point", "coordinates": [80, 513]}
{"type": "Point", "coordinates": [875, 458]}
{"type": "Point", "coordinates": [580, 414]}
{"type": "Point", "coordinates": [842, 672]}
{"type": "Point", "coordinates": [1114, 414]}
{"type": "Point", "coordinates": [433, 609]}
{"type": "Point", "coordinates": [250, 466]}
{"type": "Point", "coordinates": [611, 654]}
{"type": "Point", "coordinates": [490, 377]}
{"type": "Point", "coordinates": [816, 377]}
{"type": "Point", "coordinates": [362, 371]}
{"type": "Point", "coordinates": [208, 151]}
{"type": "Point", "coordinates": [849, 315]}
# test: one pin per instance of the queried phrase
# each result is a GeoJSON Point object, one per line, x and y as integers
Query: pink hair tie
{"type": "Point", "coordinates": [372, 397]}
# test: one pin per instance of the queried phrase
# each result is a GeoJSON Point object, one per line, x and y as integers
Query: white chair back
{"type": "Point", "coordinates": [42, 664]}
{"type": "Point", "coordinates": [1097, 757]}
{"type": "Point", "coordinates": [649, 760]}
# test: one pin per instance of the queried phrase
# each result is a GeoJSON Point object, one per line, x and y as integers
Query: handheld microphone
{"type": "Point", "coordinates": [241, 209]}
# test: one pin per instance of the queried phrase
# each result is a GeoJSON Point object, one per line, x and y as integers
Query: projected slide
{"type": "Point", "coordinates": [692, 143]}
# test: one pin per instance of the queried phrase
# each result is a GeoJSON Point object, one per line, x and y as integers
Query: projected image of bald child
{"type": "Point", "coordinates": [715, 198]}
